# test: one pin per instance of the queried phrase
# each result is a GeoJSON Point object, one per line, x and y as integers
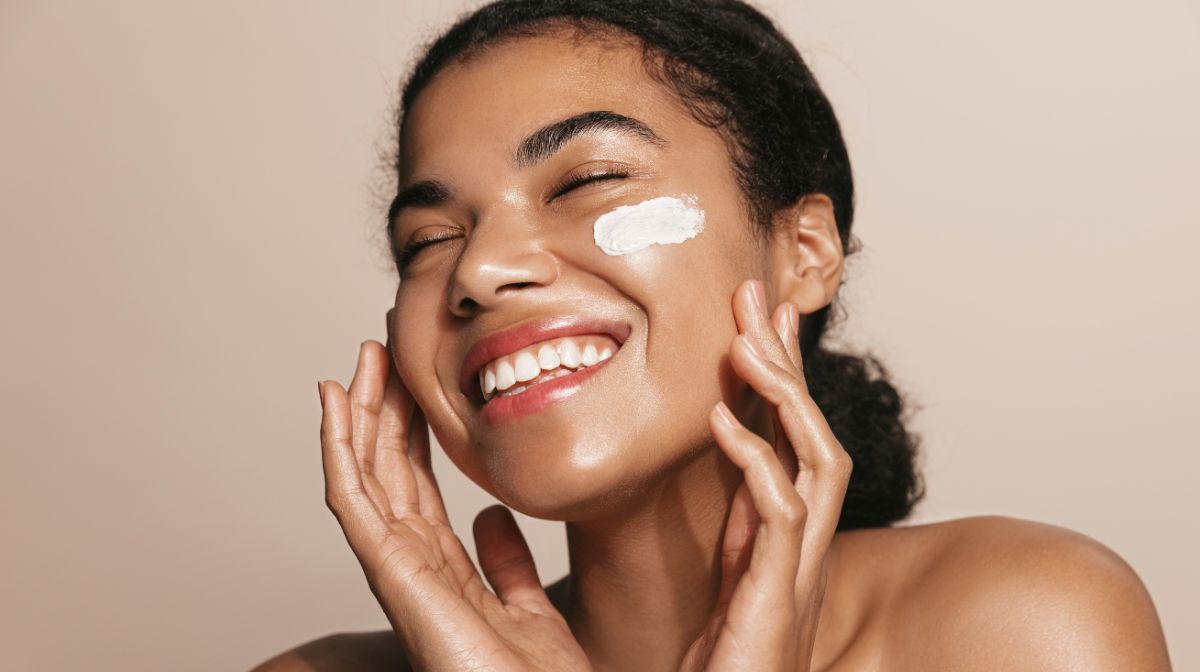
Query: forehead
{"type": "Point", "coordinates": [483, 107]}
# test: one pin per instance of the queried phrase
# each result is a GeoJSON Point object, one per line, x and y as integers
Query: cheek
{"type": "Point", "coordinates": [666, 220]}
{"type": "Point", "coordinates": [415, 342]}
{"type": "Point", "coordinates": [686, 291]}
{"type": "Point", "coordinates": [411, 346]}
{"type": "Point", "coordinates": [416, 338]}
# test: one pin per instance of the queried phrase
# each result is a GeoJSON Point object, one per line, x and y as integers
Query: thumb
{"type": "Point", "coordinates": [506, 561]}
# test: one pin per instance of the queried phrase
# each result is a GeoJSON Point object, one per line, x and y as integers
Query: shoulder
{"type": "Point", "coordinates": [992, 592]}
{"type": "Point", "coordinates": [343, 652]}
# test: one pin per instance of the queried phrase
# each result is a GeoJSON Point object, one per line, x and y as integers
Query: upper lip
{"type": "Point", "coordinates": [518, 336]}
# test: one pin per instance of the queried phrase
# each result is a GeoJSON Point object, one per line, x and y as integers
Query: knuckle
{"type": "Point", "coordinates": [795, 387]}
{"type": "Point", "coordinates": [390, 442]}
{"type": "Point", "coordinates": [841, 464]}
{"type": "Point", "coordinates": [845, 462]}
{"type": "Point", "coordinates": [339, 501]}
{"type": "Point", "coordinates": [762, 449]}
{"type": "Point", "coordinates": [794, 513]}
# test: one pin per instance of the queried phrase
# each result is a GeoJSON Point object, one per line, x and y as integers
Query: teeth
{"type": "Point", "coordinates": [548, 358]}
{"type": "Point", "coordinates": [590, 356]}
{"type": "Point", "coordinates": [505, 376]}
{"type": "Point", "coordinates": [569, 352]}
{"type": "Point", "coordinates": [526, 367]}
{"type": "Point", "coordinates": [560, 357]}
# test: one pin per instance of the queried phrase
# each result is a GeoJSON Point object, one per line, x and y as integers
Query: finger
{"type": "Point", "coordinates": [786, 320]}
{"type": "Point", "coordinates": [778, 541]}
{"type": "Point", "coordinates": [461, 568]}
{"type": "Point", "coordinates": [345, 493]}
{"type": "Point", "coordinates": [407, 431]}
{"type": "Point", "coordinates": [366, 398]}
{"type": "Point", "coordinates": [750, 314]}
{"type": "Point", "coordinates": [824, 466]}
{"type": "Point", "coordinates": [787, 325]}
{"type": "Point", "coordinates": [506, 561]}
{"type": "Point", "coordinates": [367, 393]}
{"type": "Point", "coordinates": [393, 467]}
{"type": "Point", "coordinates": [806, 426]}
{"type": "Point", "coordinates": [768, 339]}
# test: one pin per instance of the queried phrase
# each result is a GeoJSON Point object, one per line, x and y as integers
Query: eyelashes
{"type": "Point", "coordinates": [576, 181]}
{"type": "Point", "coordinates": [406, 254]}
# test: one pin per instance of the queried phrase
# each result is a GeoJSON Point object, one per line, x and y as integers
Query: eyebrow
{"type": "Point", "coordinates": [544, 142]}
{"type": "Point", "coordinates": [535, 148]}
{"type": "Point", "coordinates": [424, 194]}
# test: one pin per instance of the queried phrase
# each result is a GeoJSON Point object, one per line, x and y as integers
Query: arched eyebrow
{"type": "Point", "coordinates": [544, 142]}
{"type": "Point", "coordinates": [535, 148]}
{"type": "Point", "coordinates": [424, 194]}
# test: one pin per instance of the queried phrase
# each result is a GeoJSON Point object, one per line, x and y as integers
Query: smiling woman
{"type": "Point", "coordinates": [619, 228]}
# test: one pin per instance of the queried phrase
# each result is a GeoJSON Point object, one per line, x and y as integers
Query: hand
{"type": "Point", "coordinates": [379, 485]}
{"type": "Point", "coordinates": [778, 530]}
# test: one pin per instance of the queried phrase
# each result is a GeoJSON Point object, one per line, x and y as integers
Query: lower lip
{"type": "Point", "coordinates": [539, 397]}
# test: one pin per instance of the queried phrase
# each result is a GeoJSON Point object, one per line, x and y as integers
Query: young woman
{"type": "Point", "coordinates": [619, 228]}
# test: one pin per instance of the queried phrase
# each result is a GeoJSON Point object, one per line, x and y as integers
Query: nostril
{"type": "Point", "coordinates": [468, 304]}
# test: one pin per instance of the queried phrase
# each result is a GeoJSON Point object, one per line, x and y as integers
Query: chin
{"type": "Point", "coordinates": [587, 476]}
{"type": "Point", "coordinates": [568, 484]}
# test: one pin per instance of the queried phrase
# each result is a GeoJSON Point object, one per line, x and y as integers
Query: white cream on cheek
{"type": "Point", "coordinates": [664, 220]}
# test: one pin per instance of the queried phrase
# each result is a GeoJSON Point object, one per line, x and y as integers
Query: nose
{"type": "Point", "coordinates": [500, 261]}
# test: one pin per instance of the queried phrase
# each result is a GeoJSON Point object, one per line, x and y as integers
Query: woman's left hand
{"type": "Point", "coordinates": [779, 529]}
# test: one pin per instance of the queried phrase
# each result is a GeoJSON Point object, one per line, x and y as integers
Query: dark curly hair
{"type": "Point", "coordinates": [737, 74]}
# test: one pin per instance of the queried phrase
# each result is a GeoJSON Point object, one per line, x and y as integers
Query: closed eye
{"type": "Point", "coordinates": [576, 181]}
{"type": "Point", "coordinates": [406, 254]}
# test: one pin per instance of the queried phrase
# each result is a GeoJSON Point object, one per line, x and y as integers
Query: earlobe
{"type": "Point", "coordinates": [808, 253]}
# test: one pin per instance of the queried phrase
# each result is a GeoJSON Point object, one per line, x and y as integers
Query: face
{"type": "Point", "coordinates": [508, 162]}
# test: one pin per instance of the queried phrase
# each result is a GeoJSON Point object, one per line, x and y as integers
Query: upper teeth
{"type": "Point", "coordinates": [560, 356]}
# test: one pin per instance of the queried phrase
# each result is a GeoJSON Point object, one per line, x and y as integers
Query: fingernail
{"type": "Point", "coordinates": [760, 295]}
{"type": "Point", "coordinates": [321, 392]}
{"type": "Point", "coordinates": [755, 348]}
{"type": "Point", "coordinates": [726, 415]}
{"type": "Point", "coordinates": [794, 316]}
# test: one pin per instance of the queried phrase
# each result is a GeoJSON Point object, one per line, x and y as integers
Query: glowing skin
{"type": "Point", "coordinates": [665, 220]}
{"type": "Point", "coordinates": [627, 456]}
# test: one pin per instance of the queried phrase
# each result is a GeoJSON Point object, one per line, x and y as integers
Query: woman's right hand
{"type": "Point", "coordinates": [381, 489]}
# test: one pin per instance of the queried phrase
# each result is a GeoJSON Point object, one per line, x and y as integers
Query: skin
{"type": "Point", "coordinates": [701, 524]}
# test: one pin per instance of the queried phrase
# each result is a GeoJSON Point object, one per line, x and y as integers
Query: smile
{"type": "Point", "coordinates": [541, 362]}
{"type": "Point", "coordinates": [529, 367]}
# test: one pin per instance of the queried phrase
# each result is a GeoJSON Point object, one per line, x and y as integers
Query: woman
{"type": "Point", "coordinates": [619, 229]}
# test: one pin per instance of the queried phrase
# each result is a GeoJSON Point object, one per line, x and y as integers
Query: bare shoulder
{"type": "Point", "coordinates": [343, 652]}
{"type": "Point", "coordinates": [363, 651]}
{"type": "Point", "coordinates": [992, 592]}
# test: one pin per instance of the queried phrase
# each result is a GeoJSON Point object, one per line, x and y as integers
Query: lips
{"type": "Point", "coordinates": [504, 343]}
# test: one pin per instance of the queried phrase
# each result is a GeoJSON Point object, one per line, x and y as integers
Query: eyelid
{"type": "Point", "coordinates": [581, 178]}
{"type": "Point", "coordinates": [416, 243]}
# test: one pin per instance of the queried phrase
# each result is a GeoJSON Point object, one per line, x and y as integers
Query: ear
{"type": "Point", "coordinates": [806, 254]}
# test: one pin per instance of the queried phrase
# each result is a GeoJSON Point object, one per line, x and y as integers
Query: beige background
{"type": "Point", "coordinates": [190, 240]}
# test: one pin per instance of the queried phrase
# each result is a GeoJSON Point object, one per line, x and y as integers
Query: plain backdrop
{"type": "Point", "coordinates": [191, 217]}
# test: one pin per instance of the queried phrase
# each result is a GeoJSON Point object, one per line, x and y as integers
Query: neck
{"type": "Point", "coordinates": [644, 580]}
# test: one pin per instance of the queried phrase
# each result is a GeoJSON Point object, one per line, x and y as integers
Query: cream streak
{"type": "Point", "coordinates": [665, 220]}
